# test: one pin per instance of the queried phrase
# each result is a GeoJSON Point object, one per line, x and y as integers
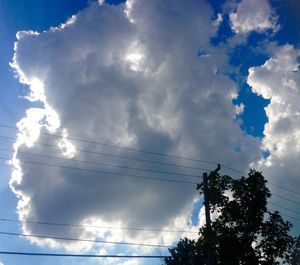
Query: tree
{"type": "Point", "coordinates": [244, 231]}
{"type": "Point", "coordinates": [295, 256]}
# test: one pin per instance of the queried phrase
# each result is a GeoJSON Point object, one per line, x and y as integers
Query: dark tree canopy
{"type": "Point", "coordinates": [244, 232]}
{"type": "Point", "coordinates": [295, 257]}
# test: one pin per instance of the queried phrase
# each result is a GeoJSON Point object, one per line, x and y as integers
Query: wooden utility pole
{"type": "Point", "coordinates": [211, 260]}
{"type": "Point", "coordinates": [206, 201]}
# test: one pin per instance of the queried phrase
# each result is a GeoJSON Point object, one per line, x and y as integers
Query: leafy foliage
{"type": "Point", "coordinates": [244, 231]}
{"type": "Point", "coordinates": [295, 257]}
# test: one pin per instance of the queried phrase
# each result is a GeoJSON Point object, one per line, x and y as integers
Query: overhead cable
{"type": "Point", "coordinates": [103, 164]}
{"type": "Point", "coordinates": [81, 255]}
{"type": "Point", "coordinates": [105, 172]}
{"type": "Point", "coordinates": [119, 156]}
{"type": "Point", "coordinates": [283, 207]}
{"type": "Point", "coordinates": [97, 227]}
{"type": "Point", "coordinates": [84, 240]}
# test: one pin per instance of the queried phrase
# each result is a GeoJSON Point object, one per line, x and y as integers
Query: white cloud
{"type": "Point", "coordinates": [253, 15]}
{"type": "Point", "coordinates": [239, 109]}
{"type": "Point", "coordinates": [131, 78]}
{"type": "Point", "coordinates": [278, 80]}
{"type": "Point", "coordinates": [218, 20]}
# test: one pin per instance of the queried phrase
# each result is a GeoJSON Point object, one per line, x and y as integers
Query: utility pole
{"type": "Point", "coordinates": [206, 201]}
{"type": "Point", "coordinates": [211, 260]}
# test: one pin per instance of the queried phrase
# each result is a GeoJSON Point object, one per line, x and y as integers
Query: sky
{"type": "Point", "coordinates": [110, 111]}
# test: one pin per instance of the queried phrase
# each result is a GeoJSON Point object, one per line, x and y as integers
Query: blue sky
{"type": "Point", "coordinates": [213, 80]}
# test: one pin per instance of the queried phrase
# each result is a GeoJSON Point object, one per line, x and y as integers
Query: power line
{"type": "Point", "coordinates": [268, 182]}
{"type": "Point", "coordinates": [143, 177]}
{"type": "Point", "coordinates": [8, 127]}
{"type": "Point", "coordinates": [291, 217]}
{"type": "Point", "coordinates": [104, 164]}
{"type": "Point", "coordinates": [96, 227]}
{"type": "Point", "coordinates": [81, 255]}
{"type": "Point", "coordinates": [283, 188]}
{"type": "Point", "coordinates": [105, 172]}
{"type": "Point", "coordinates": [149, 152]}
{"type": "Point", "coordinates": [144, 151]}
{"type": "Point", "coordinates": [283, 207]}
{"type": "Point", "coordinates": [122, 147]}
{"type": "Point", "coordinates": [284, 198]}
{"type": "Point", "coordinates": [147, 161]}
{"type": "Point", "coordinates": [136, 150]}
{"type": "Point", "coordinates": [84, 240]}
{"type": "Point", "coordinates": [136, 176]}
{"type": "Point", "coordinates": [120, 156]}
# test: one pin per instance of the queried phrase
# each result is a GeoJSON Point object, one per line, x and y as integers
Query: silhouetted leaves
{"type": "Point", "coordinates": [295, 256]}
{"type": "Point", "coordinates": [244, 232]}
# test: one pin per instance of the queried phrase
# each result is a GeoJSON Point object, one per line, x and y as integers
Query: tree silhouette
{"type": "Point", "coordinates": [244, 231]}
{"type": "Point", "coordinates": [295, 257]}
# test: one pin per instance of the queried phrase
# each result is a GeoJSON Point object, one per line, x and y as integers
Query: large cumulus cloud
{"type": "Point", "coordinates": [130, 75]}
{"type": "Point", "coordinates": [278, 80]}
